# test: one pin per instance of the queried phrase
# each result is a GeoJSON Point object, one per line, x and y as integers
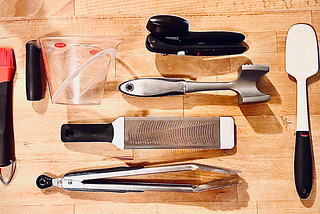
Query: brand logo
{"type": "Point", "coordinates": [93, 52]}
{"type": "Point", "coordinates": [60, 45]}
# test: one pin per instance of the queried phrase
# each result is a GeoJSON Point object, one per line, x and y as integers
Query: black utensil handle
{"type": "Point", "coordinates": [303, 165]}
{"type": "Point", "coordinates": [87, 132]}
{"type": "Point", "coordinates": [167, 27]}
{"type": "Point", "coordinates": [7, 151]}
{"type": "Point", "coordinates": [153, 44]}
{"type": "Point", "coordinates": [34, 88]}
{"type": "Point", "coordinates": [217, 37]}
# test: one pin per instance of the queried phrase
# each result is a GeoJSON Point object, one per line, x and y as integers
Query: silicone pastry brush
{"type": "Point", "coordinates": [302, 62]}
{"type": "Point", "coordinates": [7, 153]}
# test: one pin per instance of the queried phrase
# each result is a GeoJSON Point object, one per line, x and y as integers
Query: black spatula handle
{"type": "Point", "coordinates": [87, 132]}
{"type": "Point", "coordinates": [303, 166]}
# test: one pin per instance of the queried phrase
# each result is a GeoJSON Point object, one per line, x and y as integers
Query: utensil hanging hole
{"type": "Point", "coordinates": [42, 182]}
{"type": "Point", "coordinates": [304, 191]}
{"type": "Point", "coordinates": [69, 133]}
{"type": "Point", "coordinates": [129, 87]}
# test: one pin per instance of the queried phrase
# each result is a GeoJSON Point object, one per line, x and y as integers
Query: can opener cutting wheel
{"type": "Point", "coordinates": [91, 180]}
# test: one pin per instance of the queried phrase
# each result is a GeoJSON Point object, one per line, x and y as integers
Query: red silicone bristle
{"type": "Point", "coordinates": [6, 57]}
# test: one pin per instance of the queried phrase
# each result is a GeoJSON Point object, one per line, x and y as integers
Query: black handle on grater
{"type": "Point", "coordinates": [87, 132]}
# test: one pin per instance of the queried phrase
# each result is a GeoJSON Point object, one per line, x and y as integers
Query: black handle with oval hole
{"type": "Point", "coordinates": [303, 165]}
{"type": "Point", "coordinates": [44, 182]}
{"type": "Point", "coordinates": [87, 132]}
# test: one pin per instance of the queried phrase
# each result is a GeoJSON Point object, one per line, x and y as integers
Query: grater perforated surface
{"type": "Point", "coordinates": [171, 132]}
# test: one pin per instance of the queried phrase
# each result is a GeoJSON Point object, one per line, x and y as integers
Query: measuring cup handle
{"type": "Point", "coordinates": [34, 89]}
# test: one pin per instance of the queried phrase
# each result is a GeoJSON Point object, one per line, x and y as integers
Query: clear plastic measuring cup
{"type": "Point", "coordinates": [77, 67]}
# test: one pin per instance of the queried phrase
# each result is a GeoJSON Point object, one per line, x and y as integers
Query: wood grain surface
{"type": "Point", "coordinates": [264, 131]}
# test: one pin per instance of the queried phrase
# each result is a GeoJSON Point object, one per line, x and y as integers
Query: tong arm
{"type": "Point", "coordinates": [140, 170]}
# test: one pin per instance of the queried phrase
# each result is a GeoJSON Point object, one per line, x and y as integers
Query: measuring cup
{"type": "Point", "coordinates": [76, 67]}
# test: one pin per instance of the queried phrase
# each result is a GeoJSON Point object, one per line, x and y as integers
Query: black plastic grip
{"type": "Point", "coordinates": [44, 182]}
{"type": "Point", "coordinates": [167, 27]}
{"type": "Point", "coordinates": [34, 86]}
{"type": "Point", "coordinates": [7, 151]}
{"type": "Point", "coordinates": [87, 132]}
{"type": "Point", "coordinates": [303, 165]}
{"type": "Point", "coordinates": [217, 37]}
{"type": "Point", "coordinates": [153, 44]}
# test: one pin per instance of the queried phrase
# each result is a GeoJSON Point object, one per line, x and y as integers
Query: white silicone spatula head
{"type": "Point", "coordinates": [302, 60]}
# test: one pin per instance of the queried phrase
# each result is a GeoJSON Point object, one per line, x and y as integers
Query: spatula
{"type": "Point", "coordinates": [302, 62]}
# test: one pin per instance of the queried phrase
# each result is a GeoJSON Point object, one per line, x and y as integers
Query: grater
{"type": "Point", "coordinates": [156, 132]}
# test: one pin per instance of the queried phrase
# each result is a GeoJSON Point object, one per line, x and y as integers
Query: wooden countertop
{"type": "Point", "coordinates": [265, 131]}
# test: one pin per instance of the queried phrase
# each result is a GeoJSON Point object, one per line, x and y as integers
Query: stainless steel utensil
{"type": "Point", "coordinates": [245, 85]}
{"type": "Point", "coordinates": [156, 132]}
{"type": "Point", "coordinates": [91, 181]}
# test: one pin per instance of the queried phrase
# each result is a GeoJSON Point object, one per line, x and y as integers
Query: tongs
{"type": "Point", "coordinates": [96, 180]}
